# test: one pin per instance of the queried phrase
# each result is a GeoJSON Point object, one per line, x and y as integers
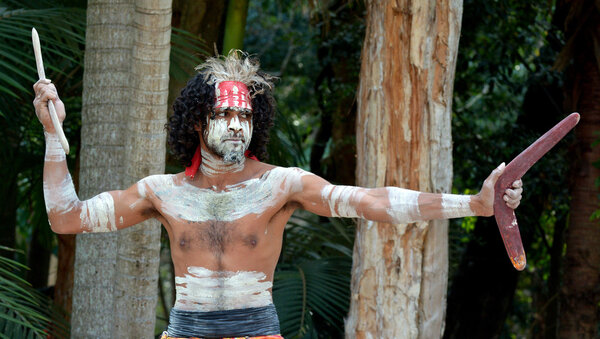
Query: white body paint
{"type": "Point", "coordinates": [456, 206]}
{"type": "Point", "coordinates": [212, 166]}
{"type": "Point", "coordinates": [54, 150]}
{"type": "Point", "coordinates": [98, 213]}
{"type": "Point", "coordinates": [187, 202]}
{"type": "Point", "coordinates": [404, 205]}
{"type": "Point", "coordinates": [342, 200]}
{"type": "Point", "coordinates": [204, 290]}
{"type": "Point", "coordinates": [60, 198]}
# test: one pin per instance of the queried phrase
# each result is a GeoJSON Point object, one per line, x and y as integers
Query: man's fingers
{"type": "Point", "coordinates": [513, 205]}
{"type": "Point", "coordinates": [514, 194]}
{"type": "Point", "coordinates": [496, 174]}
{"type": "Point", "coordinates": [517, 183]}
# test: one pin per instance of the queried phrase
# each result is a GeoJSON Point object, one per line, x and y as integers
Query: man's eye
{"type": "Point", "coordinates": [222, 114]}
{"type": "Point", "coordinates": [243, 115]}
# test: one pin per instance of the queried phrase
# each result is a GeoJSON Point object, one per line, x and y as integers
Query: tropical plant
{"type": "Point", "coordinates": [311, 289]}
{"type": "Point", "coordinates": [24, 312]}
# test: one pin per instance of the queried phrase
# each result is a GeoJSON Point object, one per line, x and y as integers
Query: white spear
{"type": "Point", "coordinates": [42, 75]}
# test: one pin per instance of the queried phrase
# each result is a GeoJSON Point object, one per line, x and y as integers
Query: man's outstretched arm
{"type": "Point", "coordinates": [398, 205]}
{"type": "Point", "coordinates": [105, 212]}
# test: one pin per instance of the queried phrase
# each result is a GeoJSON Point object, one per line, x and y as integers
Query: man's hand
{"type": "Point", "coordinates": [44, 91]}
{"type": "Point", "coordinates": [485, 198]}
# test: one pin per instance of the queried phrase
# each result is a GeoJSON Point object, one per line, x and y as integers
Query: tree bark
{"type": "Point", "coordinates": [123, 117]}
{"type": "Point", "coordinates": [580, 313]}
{"type": "Point", "coordinates": [399, 273]}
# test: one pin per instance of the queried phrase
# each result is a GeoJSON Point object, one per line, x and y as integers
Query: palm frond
{"type": "Point", "coordinates": [314, 288]}
{"type": "Point", "coordinates": [24, 312]}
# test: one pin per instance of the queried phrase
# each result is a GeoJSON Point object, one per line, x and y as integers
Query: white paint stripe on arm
{"type": "Point", "coordinates": [404, 205]}
{"type": "Point", "coordinates": [98, 213]}
{"type": "Point", "coordinates": [54, 150]}
{"type": "Point", "coordinates": [60, 198]}
{"type": "Point", "coordinates": [456, 206]}
{"type": "Point", "coordinates": [342, 200]}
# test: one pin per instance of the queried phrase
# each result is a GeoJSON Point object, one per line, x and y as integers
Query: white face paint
{"type": "Point", "coordinates": [254, 196]}
{"type": "Point", "coordinates": [204, 290]}
{"type": "Point", "coordinates": [228, 138]}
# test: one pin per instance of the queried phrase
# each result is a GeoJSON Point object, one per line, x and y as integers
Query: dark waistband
{"type": "Point", "coordinates": [252, 321]}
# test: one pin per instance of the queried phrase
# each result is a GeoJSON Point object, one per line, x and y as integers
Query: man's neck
{"type": "Point", "coordinates": [213, 165]}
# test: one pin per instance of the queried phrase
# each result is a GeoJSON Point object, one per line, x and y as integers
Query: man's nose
{"type": "Point", "coordinates": [234, 124]}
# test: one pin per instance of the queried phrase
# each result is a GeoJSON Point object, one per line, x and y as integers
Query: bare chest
{"type": "Point", "coordinates": [210, 220]}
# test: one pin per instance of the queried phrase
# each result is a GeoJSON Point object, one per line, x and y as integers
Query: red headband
{"type": "Point", "coordinates": [232, 94]}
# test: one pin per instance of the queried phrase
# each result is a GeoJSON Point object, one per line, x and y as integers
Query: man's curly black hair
{"type": "Point", "coordinates": [196, 102]}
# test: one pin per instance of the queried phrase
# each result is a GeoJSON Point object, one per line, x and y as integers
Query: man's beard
{"type": "Point", "coordinates": [231, 152]}
{"type": "Point", "coordinates": [233, 157]}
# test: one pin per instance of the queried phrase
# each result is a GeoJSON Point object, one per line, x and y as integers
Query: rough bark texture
{"type": "Point", "coordinates": [580, 313]}
{"type": "Point", "coordinates": [123, 117]}
{"type": "Point", "coordinates": [399, 274]}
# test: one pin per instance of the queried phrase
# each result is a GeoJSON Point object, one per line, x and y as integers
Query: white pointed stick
{"type": "Point", "coordinates": [42, 75]}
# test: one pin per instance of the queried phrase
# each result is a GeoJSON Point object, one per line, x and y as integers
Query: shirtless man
{"type": "Point", "coordinates": [227, 212]}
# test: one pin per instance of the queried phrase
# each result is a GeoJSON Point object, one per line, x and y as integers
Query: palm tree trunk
{"type": "Point", "coordinates": [124, 111]}
{"type": "Point", "coordinates": [139, 246]}
{"type": "Point", "coordinates": [399, 274]}
{"type": "Point", "coordinates": [102, 164]}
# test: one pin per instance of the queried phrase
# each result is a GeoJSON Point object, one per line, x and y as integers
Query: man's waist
{"type": "Point", "coordinates": [251, 322]}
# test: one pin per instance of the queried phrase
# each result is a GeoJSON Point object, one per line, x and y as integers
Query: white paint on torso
{"type": "Point", "coordinates": [187, 202]}
{"type": "Point", "coordinates": [204, 290]}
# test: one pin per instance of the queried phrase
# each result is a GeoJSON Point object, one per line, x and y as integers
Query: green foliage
{"type": "Point", "coordinates": [24, 312]}
{"type": "Point", "coordinates": [506, 95]}
{"type": "Point", "coordinates": [312, 281]}
{"type": "Point", "coordinates": [279, 34]}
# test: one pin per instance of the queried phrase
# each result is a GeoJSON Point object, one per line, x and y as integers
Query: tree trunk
{"type": "Point", "coordinates": [235, 25]}
{"type": "Point", "coordinates": [399, 273]}
{"type": "Point", "coordinates": [123, 117]}
{"type": "Point", "coordinates": [580, 313]}
{"type": "Point", "coordinates": [581, 292]}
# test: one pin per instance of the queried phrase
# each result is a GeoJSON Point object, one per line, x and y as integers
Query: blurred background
{"type": "Point", "coordinates": [522, 66]}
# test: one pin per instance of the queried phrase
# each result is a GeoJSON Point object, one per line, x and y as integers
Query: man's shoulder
{"type": "Point", "coordinates": [273, 170]}
{"type": "Point", "coordinates": [156, 182]}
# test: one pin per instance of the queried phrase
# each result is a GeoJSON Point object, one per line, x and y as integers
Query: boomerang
{"type": "Point", "coordinates": [35, 39]}
{"type": "Point", "coordinates": [505, 216]}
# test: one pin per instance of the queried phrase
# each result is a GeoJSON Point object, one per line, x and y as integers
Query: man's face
{"type": "Point", "coordinates": [228, 134]}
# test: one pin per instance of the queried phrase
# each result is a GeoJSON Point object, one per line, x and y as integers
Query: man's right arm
{"type": "Point", "coordinates": [108, 211]}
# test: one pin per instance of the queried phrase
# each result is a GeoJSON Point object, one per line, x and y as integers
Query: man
{"type": "Point", "coordinates": [226, 213]}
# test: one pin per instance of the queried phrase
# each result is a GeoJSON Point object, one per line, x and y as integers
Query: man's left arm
{"type": "Point", "coordinates": [398, 205]}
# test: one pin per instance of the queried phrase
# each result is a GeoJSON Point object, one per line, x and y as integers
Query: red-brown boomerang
{"type": "Point", "coordinates": [505, 216]}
